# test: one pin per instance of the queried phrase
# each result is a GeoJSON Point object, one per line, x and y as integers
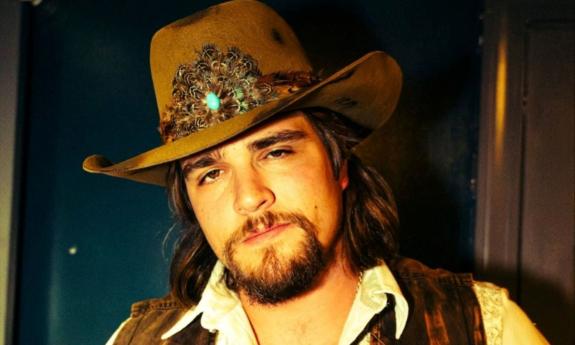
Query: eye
{"type": "Point", "coordinates": [278, 153]}
{"type": "Point", "coordinates": [210, 176]}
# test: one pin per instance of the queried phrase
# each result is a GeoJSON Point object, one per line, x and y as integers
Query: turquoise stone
{"type": "Point", "coordinates": [212, 101]}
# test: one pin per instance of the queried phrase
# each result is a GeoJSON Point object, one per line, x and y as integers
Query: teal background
{"type": "Point", "coordinates": [91, 245]}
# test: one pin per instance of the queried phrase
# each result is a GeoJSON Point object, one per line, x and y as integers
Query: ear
{"type": "Point", "coordinates": [343, 179]}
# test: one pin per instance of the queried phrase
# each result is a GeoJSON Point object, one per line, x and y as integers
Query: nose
{"type": "Point", "coordinates": [251, 192]}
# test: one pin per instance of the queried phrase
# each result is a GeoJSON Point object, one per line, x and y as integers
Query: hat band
{"type": "Point", "coordinates": [221, 85]}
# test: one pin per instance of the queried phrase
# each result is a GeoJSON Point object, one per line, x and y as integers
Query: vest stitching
{"type": "Point", "coordinates": [134, 332]}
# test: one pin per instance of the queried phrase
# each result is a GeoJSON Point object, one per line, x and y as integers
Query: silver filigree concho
{"type": "Point", "coordinates": [220, 85]}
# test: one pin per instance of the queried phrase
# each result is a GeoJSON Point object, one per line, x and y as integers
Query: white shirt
{"type": "Point", "coordinates": [221, 311]}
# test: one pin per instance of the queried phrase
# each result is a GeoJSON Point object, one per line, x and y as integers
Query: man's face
{"type": "Point", "coordinates": [269, 205]}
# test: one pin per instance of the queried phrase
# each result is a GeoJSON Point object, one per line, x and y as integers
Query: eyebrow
{"type": "Point", "coordinates": [279, 137]}
{"type": "Point", "coordinates": [210, 158]}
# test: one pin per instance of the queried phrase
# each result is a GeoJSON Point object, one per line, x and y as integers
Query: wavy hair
{"type": "Point", "coordinates": [369, 222]}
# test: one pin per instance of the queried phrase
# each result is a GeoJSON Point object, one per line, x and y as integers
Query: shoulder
{"type": "Point", "coordinates": [164, 304]}
{"type": "Point", "coordinates": [148, 320]}
{"type": "Point", "coordinates": [492, 301]}
{"type": "Point", "coordinates": [411, 269]}
{"type": "Point", "coordinates": [504, 321]}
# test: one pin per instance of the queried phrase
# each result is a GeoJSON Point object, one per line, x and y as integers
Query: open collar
{"type": "Point", "coordinates": [221, 310]}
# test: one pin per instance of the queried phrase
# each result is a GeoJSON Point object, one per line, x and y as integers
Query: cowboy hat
{"type": "Point", "coordinates": [234, 65]}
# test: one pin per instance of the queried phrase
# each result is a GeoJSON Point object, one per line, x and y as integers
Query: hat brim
{"type": "Point", "coordinates": [366, 91]}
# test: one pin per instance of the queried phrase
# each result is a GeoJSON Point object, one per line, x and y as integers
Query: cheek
{"type": "Point", "coordinates": [317, 194]}
{"type": "Point", "coordinates": [328, 207]}
{"type": "Point", "coordinates": [212, 230]}
{"type": "Point", "coordinates": [209, 207]}
{"type": "Point", "coordinates": [328, 216]}
{"type": "Point", "coordinates": [211, 220]}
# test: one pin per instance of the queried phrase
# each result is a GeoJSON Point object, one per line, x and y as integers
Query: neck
{"type": "Point", "coordinates": [314, 317]}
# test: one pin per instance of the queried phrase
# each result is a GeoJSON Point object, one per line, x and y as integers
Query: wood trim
{"type": "Point", "coordinates": [500, 150]}
{"type": "Point", "coordinates": [501, 135]}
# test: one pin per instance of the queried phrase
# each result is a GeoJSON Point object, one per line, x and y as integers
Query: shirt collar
{"type": "Point", "coordinates": [377, 282]}
{"type": "Point", "coordinates": [221, 308]}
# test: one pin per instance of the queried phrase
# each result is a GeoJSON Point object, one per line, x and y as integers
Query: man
{"type": "Point", "coordinates": [287, 237]}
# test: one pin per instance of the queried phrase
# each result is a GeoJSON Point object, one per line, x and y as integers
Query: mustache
{"type": "Point", "coordinates": [269, 219]}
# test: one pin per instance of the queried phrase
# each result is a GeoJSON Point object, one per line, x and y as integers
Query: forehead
{"type": "Point", "coordinates": [296, 121]}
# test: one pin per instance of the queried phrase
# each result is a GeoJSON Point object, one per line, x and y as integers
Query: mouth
{"type": "Point", "coordinates": [265, 233]}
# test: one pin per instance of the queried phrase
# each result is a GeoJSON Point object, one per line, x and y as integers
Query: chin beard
{"type": "Point", "coordinates": [277, 278]}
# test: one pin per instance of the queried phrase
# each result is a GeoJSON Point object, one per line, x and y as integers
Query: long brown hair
{"type": "Point", "coordinates": [369, 222]}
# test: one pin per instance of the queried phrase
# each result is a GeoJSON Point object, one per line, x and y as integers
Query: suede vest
{"type": "Point", "coordinates": [443, 309]}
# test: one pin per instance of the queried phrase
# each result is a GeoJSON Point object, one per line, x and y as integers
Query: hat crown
{"type": "Point", "coordinates": [247, 25]}
{"type": "Point", "coordinates": [242, 58]}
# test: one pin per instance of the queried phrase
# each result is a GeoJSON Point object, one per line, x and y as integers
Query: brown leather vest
{"type": "Point", "coordinates": [443, 309]}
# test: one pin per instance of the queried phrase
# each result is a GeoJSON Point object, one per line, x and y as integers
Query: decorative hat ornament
{"type": "Point", "coordinates": [233, 66]}
{"type": "Point", "coordinates": [220, 85]}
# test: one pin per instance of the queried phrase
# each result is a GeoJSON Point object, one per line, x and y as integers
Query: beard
{"type": "Point", "coordinates": [277, 277]}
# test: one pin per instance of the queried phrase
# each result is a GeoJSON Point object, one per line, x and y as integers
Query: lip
{"type": "Point", "coordinates": [266, 234]}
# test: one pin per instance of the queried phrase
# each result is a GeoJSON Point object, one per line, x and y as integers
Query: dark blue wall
{"type": "Point", "coordinates": [90, 245]}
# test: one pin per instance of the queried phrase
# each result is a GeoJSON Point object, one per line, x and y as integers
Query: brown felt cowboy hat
{"type": "Point", "coordinates": [226, 69]}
